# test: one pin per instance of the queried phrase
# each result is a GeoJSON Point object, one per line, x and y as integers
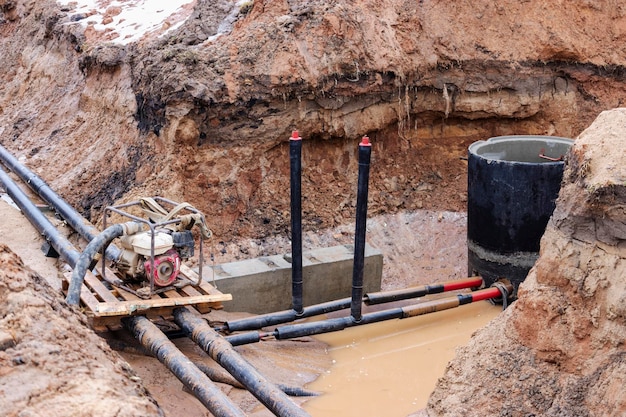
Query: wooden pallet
{"type": "Point", "coordinates": [106, 305]}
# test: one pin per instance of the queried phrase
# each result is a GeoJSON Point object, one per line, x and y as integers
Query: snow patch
{"type": "Point", "coordinates": [127, 21]}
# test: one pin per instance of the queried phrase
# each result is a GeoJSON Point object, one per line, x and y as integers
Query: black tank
{"type": "Point", "coordinates": [513, 183]}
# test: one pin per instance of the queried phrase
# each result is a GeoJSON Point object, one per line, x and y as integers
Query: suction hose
{"type": "Point", "coordinates": [93, 248]}
{"type": "Point", "coordinates": [223, 353]}
{"type": "Point", "coordinates": [193, 378]}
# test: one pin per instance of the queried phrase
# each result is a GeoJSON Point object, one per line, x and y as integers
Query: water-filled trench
{"type": "Point", "coordinates": [390, 368]}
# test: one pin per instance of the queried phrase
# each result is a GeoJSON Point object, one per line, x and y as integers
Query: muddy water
{"type": "Point", "coordinates": [389, 368]}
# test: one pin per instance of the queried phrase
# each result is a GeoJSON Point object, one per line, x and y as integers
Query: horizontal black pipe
{"type": "Point", "coordinates": [382, 297]}
{"type": "Point", "coordinates": [39, 220]}
{"type": "Point", "coordinates": [193, 378]}
{"type": "Point", "coordinates": [286, 316]}
{"type": "Point", "coordinates": [74, 219]}
{"type": "Point", "coordinates": [336, 324]}
{"type": "Point", "coordinates": [223, 353]}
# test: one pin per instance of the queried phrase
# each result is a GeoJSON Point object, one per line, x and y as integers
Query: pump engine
{"type": "Point", "coordinates": [156, 255]}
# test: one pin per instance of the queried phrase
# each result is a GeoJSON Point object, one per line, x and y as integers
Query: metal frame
{"type": "Point", "coordinates": [153, 226]}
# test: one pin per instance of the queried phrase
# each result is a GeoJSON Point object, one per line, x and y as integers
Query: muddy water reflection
{"type": "Point", "coordinates": [389, 369]}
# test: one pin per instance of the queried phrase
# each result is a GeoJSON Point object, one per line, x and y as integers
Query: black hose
{"type": "Point", "coordinates": [365, 151]}
{"type": "Point", "coordinates": [335, 324]}
{"type": "Point", "coordinates": [295, 159]}
{"type": "Point", "coordinates": [93, 248]}
{"type": "Point", "coordinates": [193, 378]}
{"type": "Point", "coordinates": [223, 353]}
{"type": "Point", "coordinates": [63, 246]}
{"type": "Point", "coordinates": [67, 212]}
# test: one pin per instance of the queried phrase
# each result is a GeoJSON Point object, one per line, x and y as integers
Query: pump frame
{"type": "Point", "coordinates": [120, 210]}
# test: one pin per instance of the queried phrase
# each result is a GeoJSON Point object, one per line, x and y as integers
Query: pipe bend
{"type": "Point", "coordinates": [96, 245]}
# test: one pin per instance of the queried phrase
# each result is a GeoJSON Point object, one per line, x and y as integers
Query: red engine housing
{"type": "Point", "coordinates": [166, 268]}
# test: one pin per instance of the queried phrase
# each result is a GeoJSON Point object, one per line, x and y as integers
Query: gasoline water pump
{"type": "Point", "coordinates": [154, 254]}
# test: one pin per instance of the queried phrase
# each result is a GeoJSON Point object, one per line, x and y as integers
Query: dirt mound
{"type": "Point", "coordinates": [559, 349]}
{"type": "Point", "coordinates": [50, 363]}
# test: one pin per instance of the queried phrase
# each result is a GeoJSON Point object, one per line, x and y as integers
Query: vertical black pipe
{"type": "Point", "coordinates": [365, 152]}
{"type": "Point", "coordinates": [295, 159]}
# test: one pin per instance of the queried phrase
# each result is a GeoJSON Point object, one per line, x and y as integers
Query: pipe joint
{"type": "Point", "coordinates": [131, 228]}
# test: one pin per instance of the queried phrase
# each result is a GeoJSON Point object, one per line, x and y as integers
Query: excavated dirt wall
{"type": "Point", "coordinates": [559, 349]}
{"type": "Point", "coordinates": [202, 113]}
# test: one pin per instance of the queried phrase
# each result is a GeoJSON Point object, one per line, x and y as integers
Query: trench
{"type": "Point", "coordinates": [390, 368]}
{"type": "Point", "coordinates": [364, 356]}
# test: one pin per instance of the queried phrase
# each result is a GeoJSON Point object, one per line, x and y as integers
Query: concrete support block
{"type": "Point", "coordinates": [263, 285]}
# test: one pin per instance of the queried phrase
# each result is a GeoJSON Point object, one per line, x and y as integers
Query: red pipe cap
{"type": "Point", "coordinates": [295, 135]}
{"type": "Point", "coordinates": [365, 141]}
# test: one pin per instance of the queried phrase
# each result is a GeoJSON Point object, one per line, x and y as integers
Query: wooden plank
{"type": "Point", "coordinates": [99, 288]}
{"type": "Point", "coordinates": [191, 275]}
{"type": "Point", "coordinates": [134, 306]}
{"type": "Point", "coordinates": [86, 296]}
{"type": "Point", "coordinates": [191, 291]}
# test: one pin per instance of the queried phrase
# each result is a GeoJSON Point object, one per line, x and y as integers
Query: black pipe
{"type": "Point", "coordinates": [76, 221]}
{"type": "Point", "coordinates": [336, 324]}
{"type": "Point", "coordinates": [219, 375]}
{"type": "Point", "coordinates": [286, 316]}
{"type": "Point", "coordinates": [365, 151]}
{"type": "Point", "coordinates": [331, 325]}
{"type": "Point", "coordinates": [295, 159]}
{"type": "Point", "coordinates": [193, 378]}
{"type": "Point", "coordinates": [381, 297]}
{"type": "Point", "coordinates": [224, 354]}
{"type": "Point", "coordinates": [39, 220]}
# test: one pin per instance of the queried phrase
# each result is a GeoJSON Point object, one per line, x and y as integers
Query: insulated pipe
{"type": "Point", "coordinates": [94, 247]}
{"type": "Point", "coordinates": [336, 324]}
{"type": "Point", "coordinates": [295, 159]}
{"type": "Point", "coordinates": [365, 151]}
{"type": "Point", "coordinates": [420, 291]}
{"type": "Point", "coordinates": [67, 212]}
{"type": "Point", "coordinates": [286, 316]}
{"type": "Point", "coordinates": [193, 378]}
{"type": "Point", "coordinates": [223, 353]}
{"type": "Point", "coordinates": [325, 326]}
{"type": "Point", "coordinates": [39, 220]}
